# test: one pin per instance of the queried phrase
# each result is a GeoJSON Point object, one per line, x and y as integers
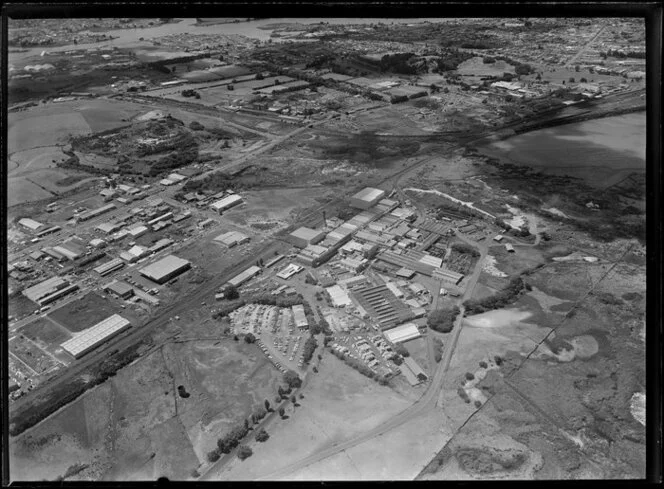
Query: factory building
{"type": "Point", "coordinates": [138, 231]}
{"type": "Point", "coordinates": [97, 243]}
{"type": "Point", "coordinates": [109, 266]}
{"type": "Point", "coordinates": [226, 203]}
{"type": "Point", "coordinates": [339, 296]}
{"type": "Point", "coordinates": [109, 227]}
{"type": "Point", "coordinates": [509, 247]}
{"type": "Point", "coordinates": [447, 275]}
{"type": "Point", "coordinates": [160, 245]}
{"type": "Point", "coordinates": [289, 271]}
{"type": "Point", "coordinates": [165, 269]}
{"type": "Point", "coordinates": [300, 317]}
{"type": "Point", "coordinates": [87, 215]}
{"type": "Point", "coordinates": [402, 333]}
{"type": "Point", "coordinates": [72, 255]}
{"type": "Point", "coordinates": [366, 198]}
{"type": "Point", "coordinates": [245, 276]}
{"type": "Point", "coordinates": [94, 336]}
{"type": "Point", "coordinates": [49, 290]}
{"type": "Point", "coordinates": [303, 237]}
{"type": "Point", "coordinates": [30, 224]}
{"type": "Point", "coordinates": [232, 238]}
{"type": "Point", "coordinates": [120, 288]}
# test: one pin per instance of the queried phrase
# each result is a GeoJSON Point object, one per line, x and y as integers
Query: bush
{"type": "Point", "coordinates": [498, 360]}
{"type": "Point", "coordinates": [262, 436]}
{"type": "Point", "coordinates": [231, 292]}
{"type": "Point", "coordinates": [467, 249]}
{"type": "Point", "coordinates": [249, 338]}
{"type": "Point", "coordinates": [478, 404]}
{"type": "Point", "coordinates": [483, 364]}
{"type": "Point", "coordinates": [463, 395]}
{"type": "Point", "coordinates": [499, 300]}
{"type": "Point", "coordinates": [469, 376]}
{"type": "Point", "coordinates": [438, 356]}
{"type": "Point", "coordinates": [244, 452]}
{"type": "Point", "coordinates": [213, 456]}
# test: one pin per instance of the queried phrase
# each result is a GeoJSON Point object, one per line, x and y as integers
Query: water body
{"type": "Point", "coordinates": [131, 37]}
{"type": "Point", "coordinates": [600, 151]}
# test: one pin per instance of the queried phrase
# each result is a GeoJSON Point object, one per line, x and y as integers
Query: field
{"type": "Point", "coordinates": [565, 412]}
{"type": "Point", "coordinates": [135, 426]}
{"type": "Point", "coordinates": [20, 305]}
{"type": "Point", "coordinates": [31, 355]}
{"type": "Point", "coordinates": [476, 67]}
{"type": "Point", "coordinates": [339, 402]}
{"type": "Point", "coordinates": [87, 311]}
{"type": "Point", "coordinates": [23, 191]}
{"type": "Point", "coordinates": [45, 332]}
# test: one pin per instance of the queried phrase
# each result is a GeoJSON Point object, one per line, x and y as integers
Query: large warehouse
{"type": "Point", "coordinates": [367, 197]}
{"type": "Point", "coordinates": [49, 290]}
{"type": "Point", "coordinates": [94, 336]}
{"type": "Point", "coordinates": [402, 333]}
{"type": "Point", "coordinates": [232, 238]}
{"type": "Point", "coordinates": [226, 203]}
{"type": "Point", "coordinates": [165, 269]}
{"type": "Point", "coordinates": [303, 237]}
{"type": "Point", "coordinates": [245, 276]}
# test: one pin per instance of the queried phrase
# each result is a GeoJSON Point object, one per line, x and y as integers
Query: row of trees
{"type": "Point", "coordinates": [309, 348]}
{"type": "Point", "coordinates": [465, 248]}
{"type": "Point", "coordinates": [501, 299]}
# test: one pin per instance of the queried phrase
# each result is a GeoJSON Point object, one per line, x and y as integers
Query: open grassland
{"type": "Point", "coordinates": [135, 426]}
{"type": "Point", "coordinates": [338, 403]}
{"type": "Point", "coordinates": [23, 190]}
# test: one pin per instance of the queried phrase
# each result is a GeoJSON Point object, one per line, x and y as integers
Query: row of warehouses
{"type": "Point", "coordinates": [90, 338]}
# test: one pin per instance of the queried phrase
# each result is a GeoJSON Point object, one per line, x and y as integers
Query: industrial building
{"type": "Point", "coordinates": [402, 333]}
{"type": "Point", "coordinates": [366, 198]}
{"type": "Point", "coordinates": [94, 336]}
{"type": "Point", "coordinates": [109, 227]}
{"type": "Point", "coordinates": [382, 305]}
{"type": "Point", "coordinates": [165, 269]}
{"type": "Point", "coordinates": [232, 238]}
{"type": "Point", "coordinates": [109, 266]}
{"type": "Point", "coordinates": [49, 290]}
{"type": "Point", "coordinates": [509, 247]}
{"type": "Point", "coordinates": [97, 243]}
{"type": "Point", "coordinates": [339, 296]}
{"type": "Point", "coordinates": [447, 275]}
{"type": "Point", "coordinates": [226, 203]}
{"type": "Point", "coordinates": [128, 257]}
{"type": "Point", "coordinates": [30, 224]}
{"type": "Point", "coordinates": [95, 212]}
{"type": "Point", "coordinates": [72, 255]}
{"type": "Point", "coordinates": [314, 255]}
{"type": "Point", "coordinates": [138, 231]}
{"type": "Point", "coordinates": [245, 276]}
{"type": "Point", "coordinates": [300, 317]}
{"type": "Point", "coordinates": [303, 237]}
{"type": "Point", "coordinates": [289, 271]}
{"type": "Point", "coordinates": [120, 288]}
{"type": "Point", "coordinates": [138, 251]}
{"type": "Point", "coordinates": [160, 245]}
{"type": "Point", "coordinates": [498, 238]}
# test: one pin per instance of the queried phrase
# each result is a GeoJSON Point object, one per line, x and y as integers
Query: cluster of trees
{"type": "Point", "coordinates": [616, 53]}
{"type": "Point", "coordinates": [361, 367]}
{"type": "Point", "coordinates": [226, 308]}
{"type": "Point", "coordinates": [451, 60]}
{"type": "Point", "coordinates": [190, 93]}
{"type": "Point", "coordinates": [292, 380]}
{"type": "Point", "coordinates": [398, 63]}
{"type": "Point", "coordinates": [465, 248]}
{"type": "Point", "coordinates": [196, 126]}
{"type": "Point", "coordinates": [442, 320]}
{"type": "Point", "coordinates": [501, 299]}
{"type": "Point", "coordinates": [321, 326]}
{"type": "Point", "coordinates": [401, 350]}
{"type": "Point", "coordinates": [439, 349]}
{"type": "Point", "coordinates": [181, 157]}
{"type": "Point", "coordinates": [308, 349]}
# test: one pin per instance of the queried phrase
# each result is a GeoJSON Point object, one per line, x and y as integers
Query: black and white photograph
{"type": "Point", "coordinates": [329, 244]}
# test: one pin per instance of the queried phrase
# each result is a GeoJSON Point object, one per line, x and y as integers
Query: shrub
{"type": "Point", "coordinates": [292, 379]}
{"type": "Point", "coordinates": [244, 452]}
{"type": "Point", "coordinates": [438, 356]}
{"type": "Point", "coordinates": [469, 376]}
{"type": "Point", "coordinates": [483, 364]}
{"type": "Point", "coordinates": [213, 456]}
{"type": "Point", "coordinates": [478, 404]}
{"type": "Point", "coordinates": [262, 436]}
{"type": "Point", "coordinates": [498, 360]}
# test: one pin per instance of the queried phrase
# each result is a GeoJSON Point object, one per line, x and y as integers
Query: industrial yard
{"type": "Point", "coordinates": [199, 220]}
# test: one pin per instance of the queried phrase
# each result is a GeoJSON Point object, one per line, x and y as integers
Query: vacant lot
{"type": "Point", "coordinates": [84, 312]}
{"type": "Point", "coordinates": [23, 190]}
{"type": "Point", "coordinates": [135, 426]}
{"type": "Point", "coordinates": [45, 332]}
{"type": "Point", "coordinates": [20, 305]}
{"type": "Point", "coordinates": [31, 355]}
{"type": "Point", "coordinates": [338, 403]}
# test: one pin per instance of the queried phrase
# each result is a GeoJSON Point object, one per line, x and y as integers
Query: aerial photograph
{"type": "Point", "coordinates": [339, 249]}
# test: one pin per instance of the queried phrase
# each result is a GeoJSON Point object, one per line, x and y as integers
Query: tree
{"type": "Point", "coordinates": [231, 292]}
{"type": "Point", "coordinates": [267, 405]}
{"type": "Point", "coordinates": [577, 68]}
{"type": "Point", "coordinates": [401, 350]}
{"type": "Point", "coordinates": [584, 80]}
{"type": "Point", "coordinates": [442, 320]}
{"type": "Point", "coordinates": [213, 456]}
{"type": "Point", "coordinates": [293, 399]}
{"type": "Point", "coordinates": [246, 424]}
{"type": "Point", "coordinates": [236, 338]}
{"type": "Point", "coordinates": [282, 412]}
{"type": "Point", "coordinates": [249, 338]}
{"type": "Point", "coordinates": [292, 379]}
{"type": "Point", "coordinates": [571, 79]}
{"type": "Point", "coordinates": [244, 452]}
{"type": "Point", "coordinates": [262, 436]}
